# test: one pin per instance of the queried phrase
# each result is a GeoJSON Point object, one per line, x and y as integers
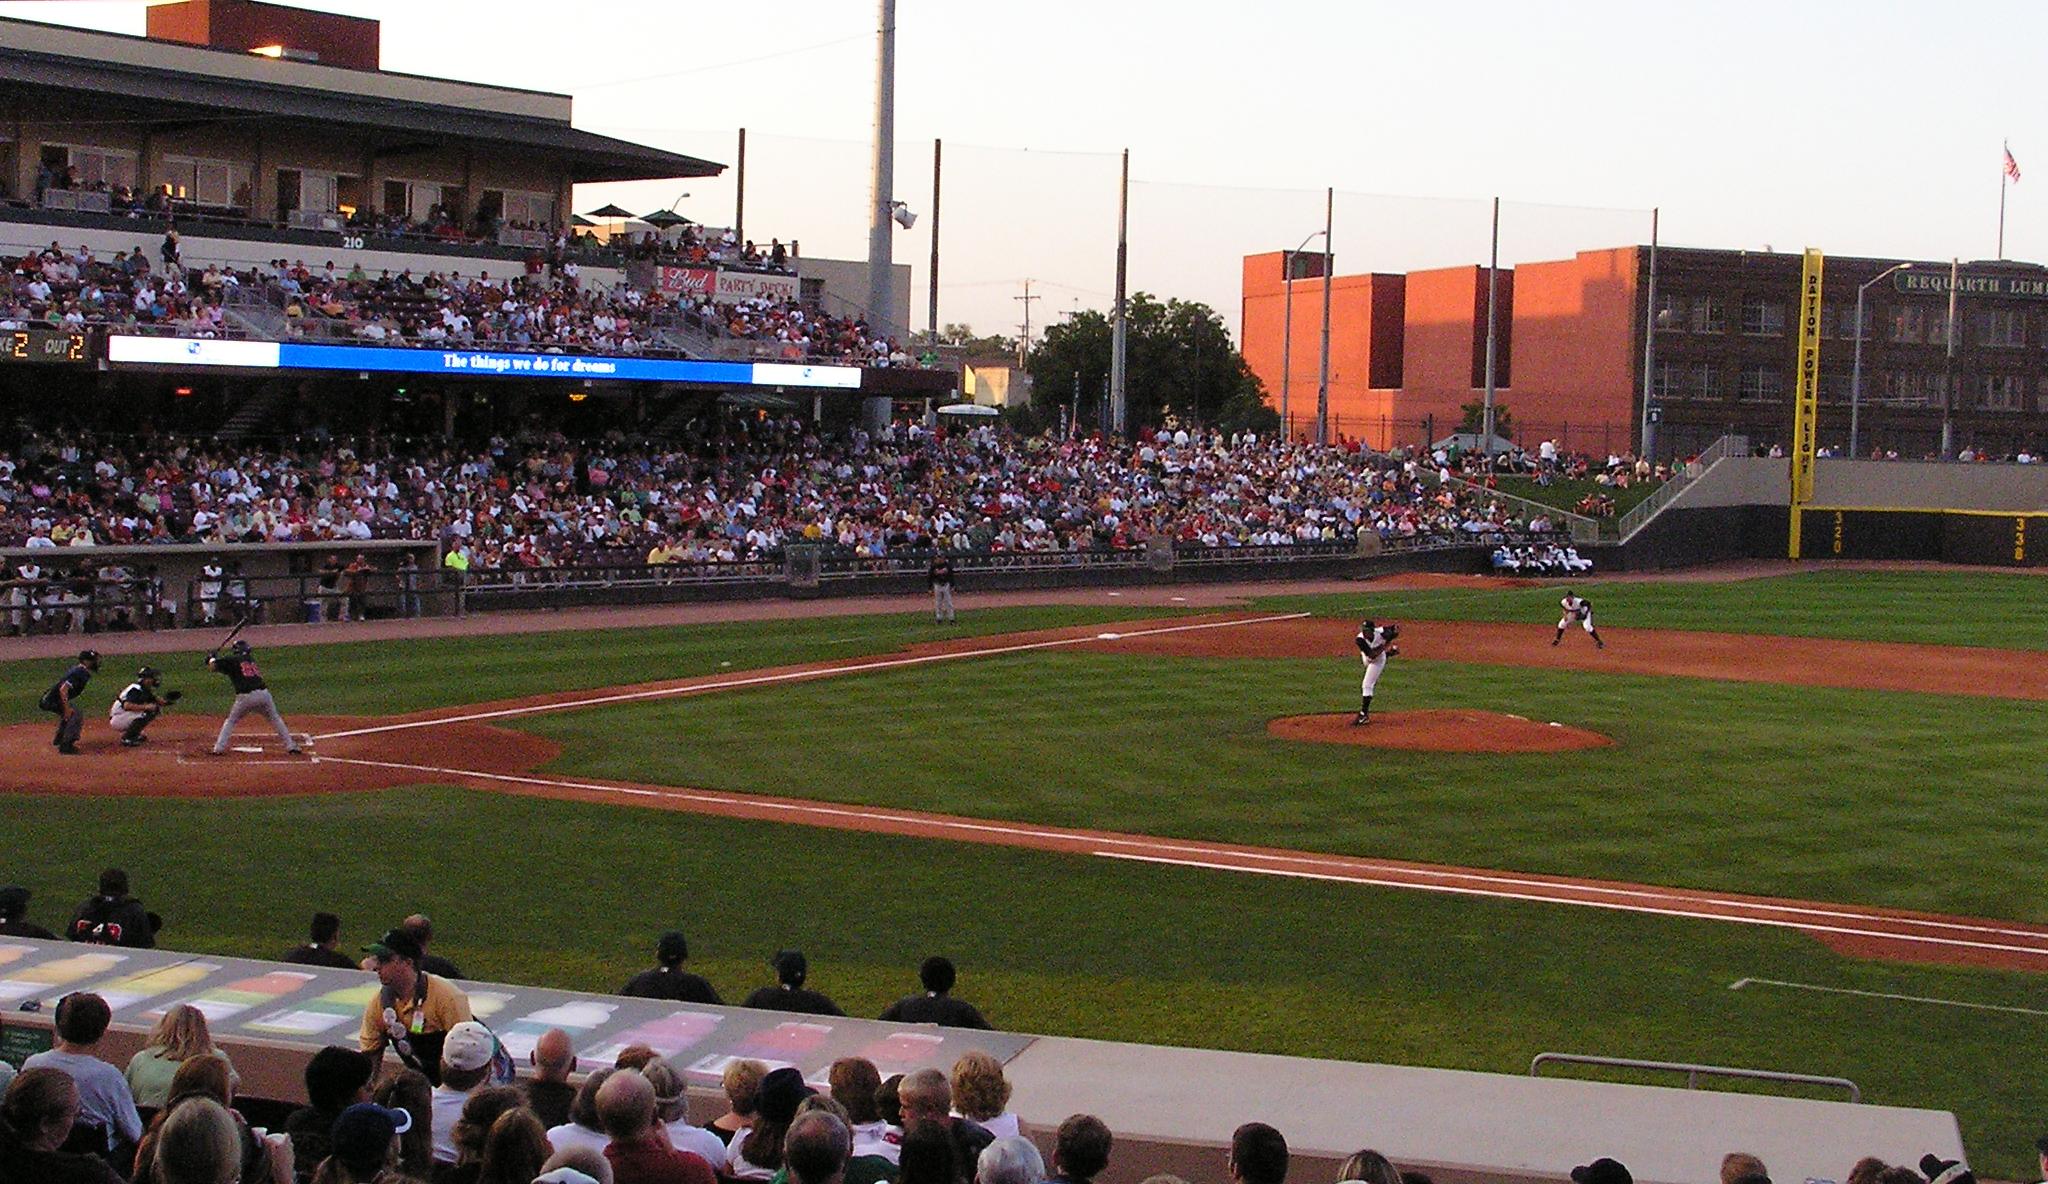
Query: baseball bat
{"type": "Point", "coordinates": [232, 634]}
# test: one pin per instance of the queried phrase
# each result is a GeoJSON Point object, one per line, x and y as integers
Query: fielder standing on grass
{"type": "Point", "coordinates": [940, 579]}
{"type": "Point", "coordinates": [251, 694]}
{"type": "Point", "coordinates": [1577, 611]}
{"type": "Point", "coordinates": [1375, 646]}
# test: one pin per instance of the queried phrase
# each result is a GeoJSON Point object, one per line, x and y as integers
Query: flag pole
{"type": "Point", "coordinates": [2004, 179]}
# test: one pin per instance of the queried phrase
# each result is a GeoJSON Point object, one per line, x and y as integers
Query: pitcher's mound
{"type": "Point", "coordinates": [1440, 731]}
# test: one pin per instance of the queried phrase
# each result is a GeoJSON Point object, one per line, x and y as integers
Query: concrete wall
{"type": "Point", "coordinates": [1930, 485]}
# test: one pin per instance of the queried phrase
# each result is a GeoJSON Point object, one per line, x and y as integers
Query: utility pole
{"type": "Point", "coordinates": [932, 312]}
{"type": "Point", "coordinates": [881, 298]}
{"type": "Point", "coordinates": [1323, 378]}
{"type": "Point", "coordinates": [1492, 294]}
{"type": "Point", "coordinates": [1650, 411]}
{"type": "Point", "coordinates": [1024, 342]}
{"type": "Point", "coordinates": [1119, 393]}
{"type": "Point", "coordinates": [739, 199]}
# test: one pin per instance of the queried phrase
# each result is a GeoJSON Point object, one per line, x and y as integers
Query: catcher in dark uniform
{"type": "Point", "coordinates": [137, 707]}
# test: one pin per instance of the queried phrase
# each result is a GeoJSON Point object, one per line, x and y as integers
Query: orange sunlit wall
{"type": "Point", "coordinates": [1365, 346]}
{"type": "Point", "coordinates": [1444, 352]}
{"type": "Point", "coordinates": [1578, 345]}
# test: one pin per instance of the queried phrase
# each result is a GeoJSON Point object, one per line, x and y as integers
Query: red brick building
{"type": "Point", "coordinates": [1408, 351]}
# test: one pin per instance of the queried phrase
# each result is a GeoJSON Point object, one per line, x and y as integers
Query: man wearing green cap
{"type": "Point", "coordinates": [415, 1010]}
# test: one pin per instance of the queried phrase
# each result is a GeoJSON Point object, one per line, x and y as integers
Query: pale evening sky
{"type": "Point", "coordinates": [1870, 127]}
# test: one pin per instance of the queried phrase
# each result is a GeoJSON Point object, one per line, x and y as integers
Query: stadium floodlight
{"type": "Point", "coordinates": [902, 215]}
{"type": "Point", "coordinates": [1856, 371]}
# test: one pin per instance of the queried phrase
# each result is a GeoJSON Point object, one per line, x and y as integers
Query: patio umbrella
{"type": "Point", "coordinates": [580, 220]}
{"type": "Point", "coordinates": [663, 219]}
{"type": "Point", "coordinates": [614, 213]}
{"type": "Point", "coordinates": [968, 409]}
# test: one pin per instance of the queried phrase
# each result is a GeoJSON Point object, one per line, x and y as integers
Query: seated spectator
{"type": "Point", "coordinates": [481, 1110]}
{"type": "Point", "coordinates": [1602, 1171]}
{"type": "Point", "coordinates": [515, 1151]}
{"type": "Point", "coordinates": [322, 948]}
{"type": "Point", "coordinates": [936, 1005]}
{"type": "Point", "coordinates": [36, 1116]}
{"type": "Point", "coordinates": [1258, 1155]}
{"type": "Point", "coordinates": [1740, 1167]}
{"type": "Point", "coordinates": [858, 1169]}
{"type": "Point", "coordinates": [585, 1128]}
{"type": "Point", "coordinates": [639, 1151]}
{"type": "Point", "coordinates": [199, 1142]}
{"type": "Point", "coordinates": [672, 1111]}
{"type": "Point", "coordinates": [1009, 1160]}
{"type": "Point", "coordinates": [980, 1092]}
{"type": "Point", "coordinates": [179, 1036]}
{"type": "Point", "coordinates": [1371, 1167]}
{"type": "Point", "coordinates": [854, 1082]}
{"type": "Point", "coordinates": [742, 1083]}
{"type": "Point", "coordinates": [410, 1091]}
{"type": "Point", "coordinates": [636, 1057]}
{"type": "Point", "coordinates": [1080, 1150]}
{"type": "Point", "coordinates": [816, 1149]}
{"type": "Point", "coordinates": [111, 917]}
{"type": "Point", "coordinates": [668, 980]}
{"type": "Point", "coordinates": [789, 993]}
{"type": "Point", "coordinates": [927, 1098]}
{"type": "Point", "coordinates": [366, 1140]}
{"type": "Point", "coordinates": [336, 1078]}
{"type": "Point", "coordinates": [421, 927]}
{"type": "Point", "coordinates": [927, 1156]}
{"type": "Point", "coordinates": [14, 920]}
{"type": "Point", "coordinates": [575, 1165]}
{"type": "Point", "coordinates": [465, 1070]}
{"type": "Point", "coordinates": [1865, 1170]}
{"type": "Point", "coordinates": [104, 1099]}
{"type": "Point", "coordinates": [548, 1092]}
{"type": "Point", "coordinates": [757, 1155]}
{"type": "Point", "coordinates": [204, 1079]}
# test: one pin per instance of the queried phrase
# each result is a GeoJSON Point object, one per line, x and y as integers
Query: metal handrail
{"type": "Point", "coordinates": [1581, 528]}
{"type": "Point", "coordinates": [1693, 1072]}
{"type": "Point", "coordinates": [1640, 514]}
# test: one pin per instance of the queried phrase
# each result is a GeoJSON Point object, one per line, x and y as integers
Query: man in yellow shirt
{"type": "Point", "coordinates": [414, 1010]}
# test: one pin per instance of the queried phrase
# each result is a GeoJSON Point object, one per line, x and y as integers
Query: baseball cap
{"type": "Point", "coordinates": [13, 901]}
{"type": "Point", "coordinates": [469, 1045]}
{"type": "Point", "coordinates": [672, 947]}
{"type": "Point", "coordinates": [396, 943]}
{"type": "Point", "coordinates": [565, 1176]}
{"type": "Point", "coordinates": [88, 655]}
{"type": "Point", "coordinates": [1945, 1171]}
{"type": "Point", "coordinates": [114, 882]}
{"type": "Point", "coordinates": [1602, 1171]}
{"type": "Point", "coordinates": [790, 966]}
{"type": "Point", "coordinates": [363, 1133]}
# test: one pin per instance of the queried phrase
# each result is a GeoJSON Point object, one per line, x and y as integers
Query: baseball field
{"type": "Point", "coordinates": [1810, 846]}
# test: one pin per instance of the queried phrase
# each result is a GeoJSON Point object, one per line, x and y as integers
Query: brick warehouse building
{"type": "Point", "coordinates": [1408, 350]}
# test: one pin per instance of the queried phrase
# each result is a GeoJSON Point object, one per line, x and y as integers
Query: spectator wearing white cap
{"type": "Point", "coordinates": [465, 1067]}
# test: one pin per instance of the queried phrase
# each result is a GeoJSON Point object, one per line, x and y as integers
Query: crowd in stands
{"type": "Point", "coordinates": [546, 308]}
{"type": "Point", "coordinates": [461, 1111]}
{"type": "Point", "coordinates": [741, 491]}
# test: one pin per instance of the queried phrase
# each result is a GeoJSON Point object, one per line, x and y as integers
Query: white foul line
{"type": "Point", "coordinates": [1159, 851]}
{"type": "Point", "coordinates": [1740, 983]}
{"type": "Point", "coordinates": [798, 676]}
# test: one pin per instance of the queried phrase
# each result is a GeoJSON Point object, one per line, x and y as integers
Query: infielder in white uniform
{"type": "Point", "coordinates": [1375, 646]}
{"type": "Point", "coordinates": [1577, 610]}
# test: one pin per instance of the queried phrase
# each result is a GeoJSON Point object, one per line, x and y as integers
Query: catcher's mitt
{"type": "Point", "coordinates": [173, 696]}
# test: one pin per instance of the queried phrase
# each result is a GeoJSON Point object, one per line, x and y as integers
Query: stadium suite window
{"type": "Point", "coordinates": [207, 182]}
{"type": "Point", "coordinates": [96, 166]}
{"type": "Point", "coordinates": [1763, 317]}
{"type": "Point", "coordinates": [1761, 384]}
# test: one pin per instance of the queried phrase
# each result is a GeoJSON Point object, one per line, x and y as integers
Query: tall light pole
{"type": "Point", "coordinates": [1323, 379]}
{"type": "Point", "coordinates": [1856, 371]}
{"type": "Point", "coordinates": [1287, 333]}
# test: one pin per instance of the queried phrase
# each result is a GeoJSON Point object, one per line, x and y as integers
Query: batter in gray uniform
{"type": "Point", "coordinates": [251, 694]}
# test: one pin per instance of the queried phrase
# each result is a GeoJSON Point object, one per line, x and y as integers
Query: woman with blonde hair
{"type": "Point", "coordinates": [980, 1093]}
{"type": "Point", "coordinates": [180, 1035]}
{"type": "Point", "coordinates": [1371, 1167]}
{"type": "Point", "coordinates": [200, 1144]}
{"type": "Point", "coordinates": [742, 1087]}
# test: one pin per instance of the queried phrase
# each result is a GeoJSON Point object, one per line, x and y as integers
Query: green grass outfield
{"type": "Point", "coordinates": [1996, 609]}
{"type": "Point", "coordinates": [1066, 944]}
{"type": "Point", "coordinates": [1879, 797]}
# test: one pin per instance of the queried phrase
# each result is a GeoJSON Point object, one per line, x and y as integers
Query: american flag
{"type": "Point", "coordinates": [2012, 167]}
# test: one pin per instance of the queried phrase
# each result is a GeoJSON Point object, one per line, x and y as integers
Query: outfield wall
{"type": "Point", "coordinates": [1171, 1109]}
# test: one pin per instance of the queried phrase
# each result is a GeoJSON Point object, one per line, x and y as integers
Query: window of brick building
{"type": "Point", "coordinates": [1763, 317]}
{"type": "Point", "coordinates": [1761, 384]}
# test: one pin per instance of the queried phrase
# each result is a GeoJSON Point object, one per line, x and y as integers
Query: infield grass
{"type": "Point", "coordinates": [571, 895]}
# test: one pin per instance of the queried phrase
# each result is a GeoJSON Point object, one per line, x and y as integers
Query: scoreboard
{"type": "Point", "coordinates": [42, 345]}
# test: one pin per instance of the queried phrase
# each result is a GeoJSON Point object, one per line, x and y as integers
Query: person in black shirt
{"type": "Point", "coordinates": [790, 994]}
{"type": "Point", "coordinates": [421, 927]}
{"type": "Point", "coordinates": [321, 948]}
{"type": "Point", "coordinates": [940, 580]}
{"type": "Point", "coordinates": [935, 1006]}
{"type": "Point", "coordinates": [113, 918]}
{"type": "Point", "coordinates": [252, 694]}
{"type": "Point", "coordinates": [62, 700]}
{"type": "Point", "coordinates": [669, 980]}
{"type": "Point", "coordinates": [14, 920]}
{"type": "Point", "coordinates": [336, 1078]}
